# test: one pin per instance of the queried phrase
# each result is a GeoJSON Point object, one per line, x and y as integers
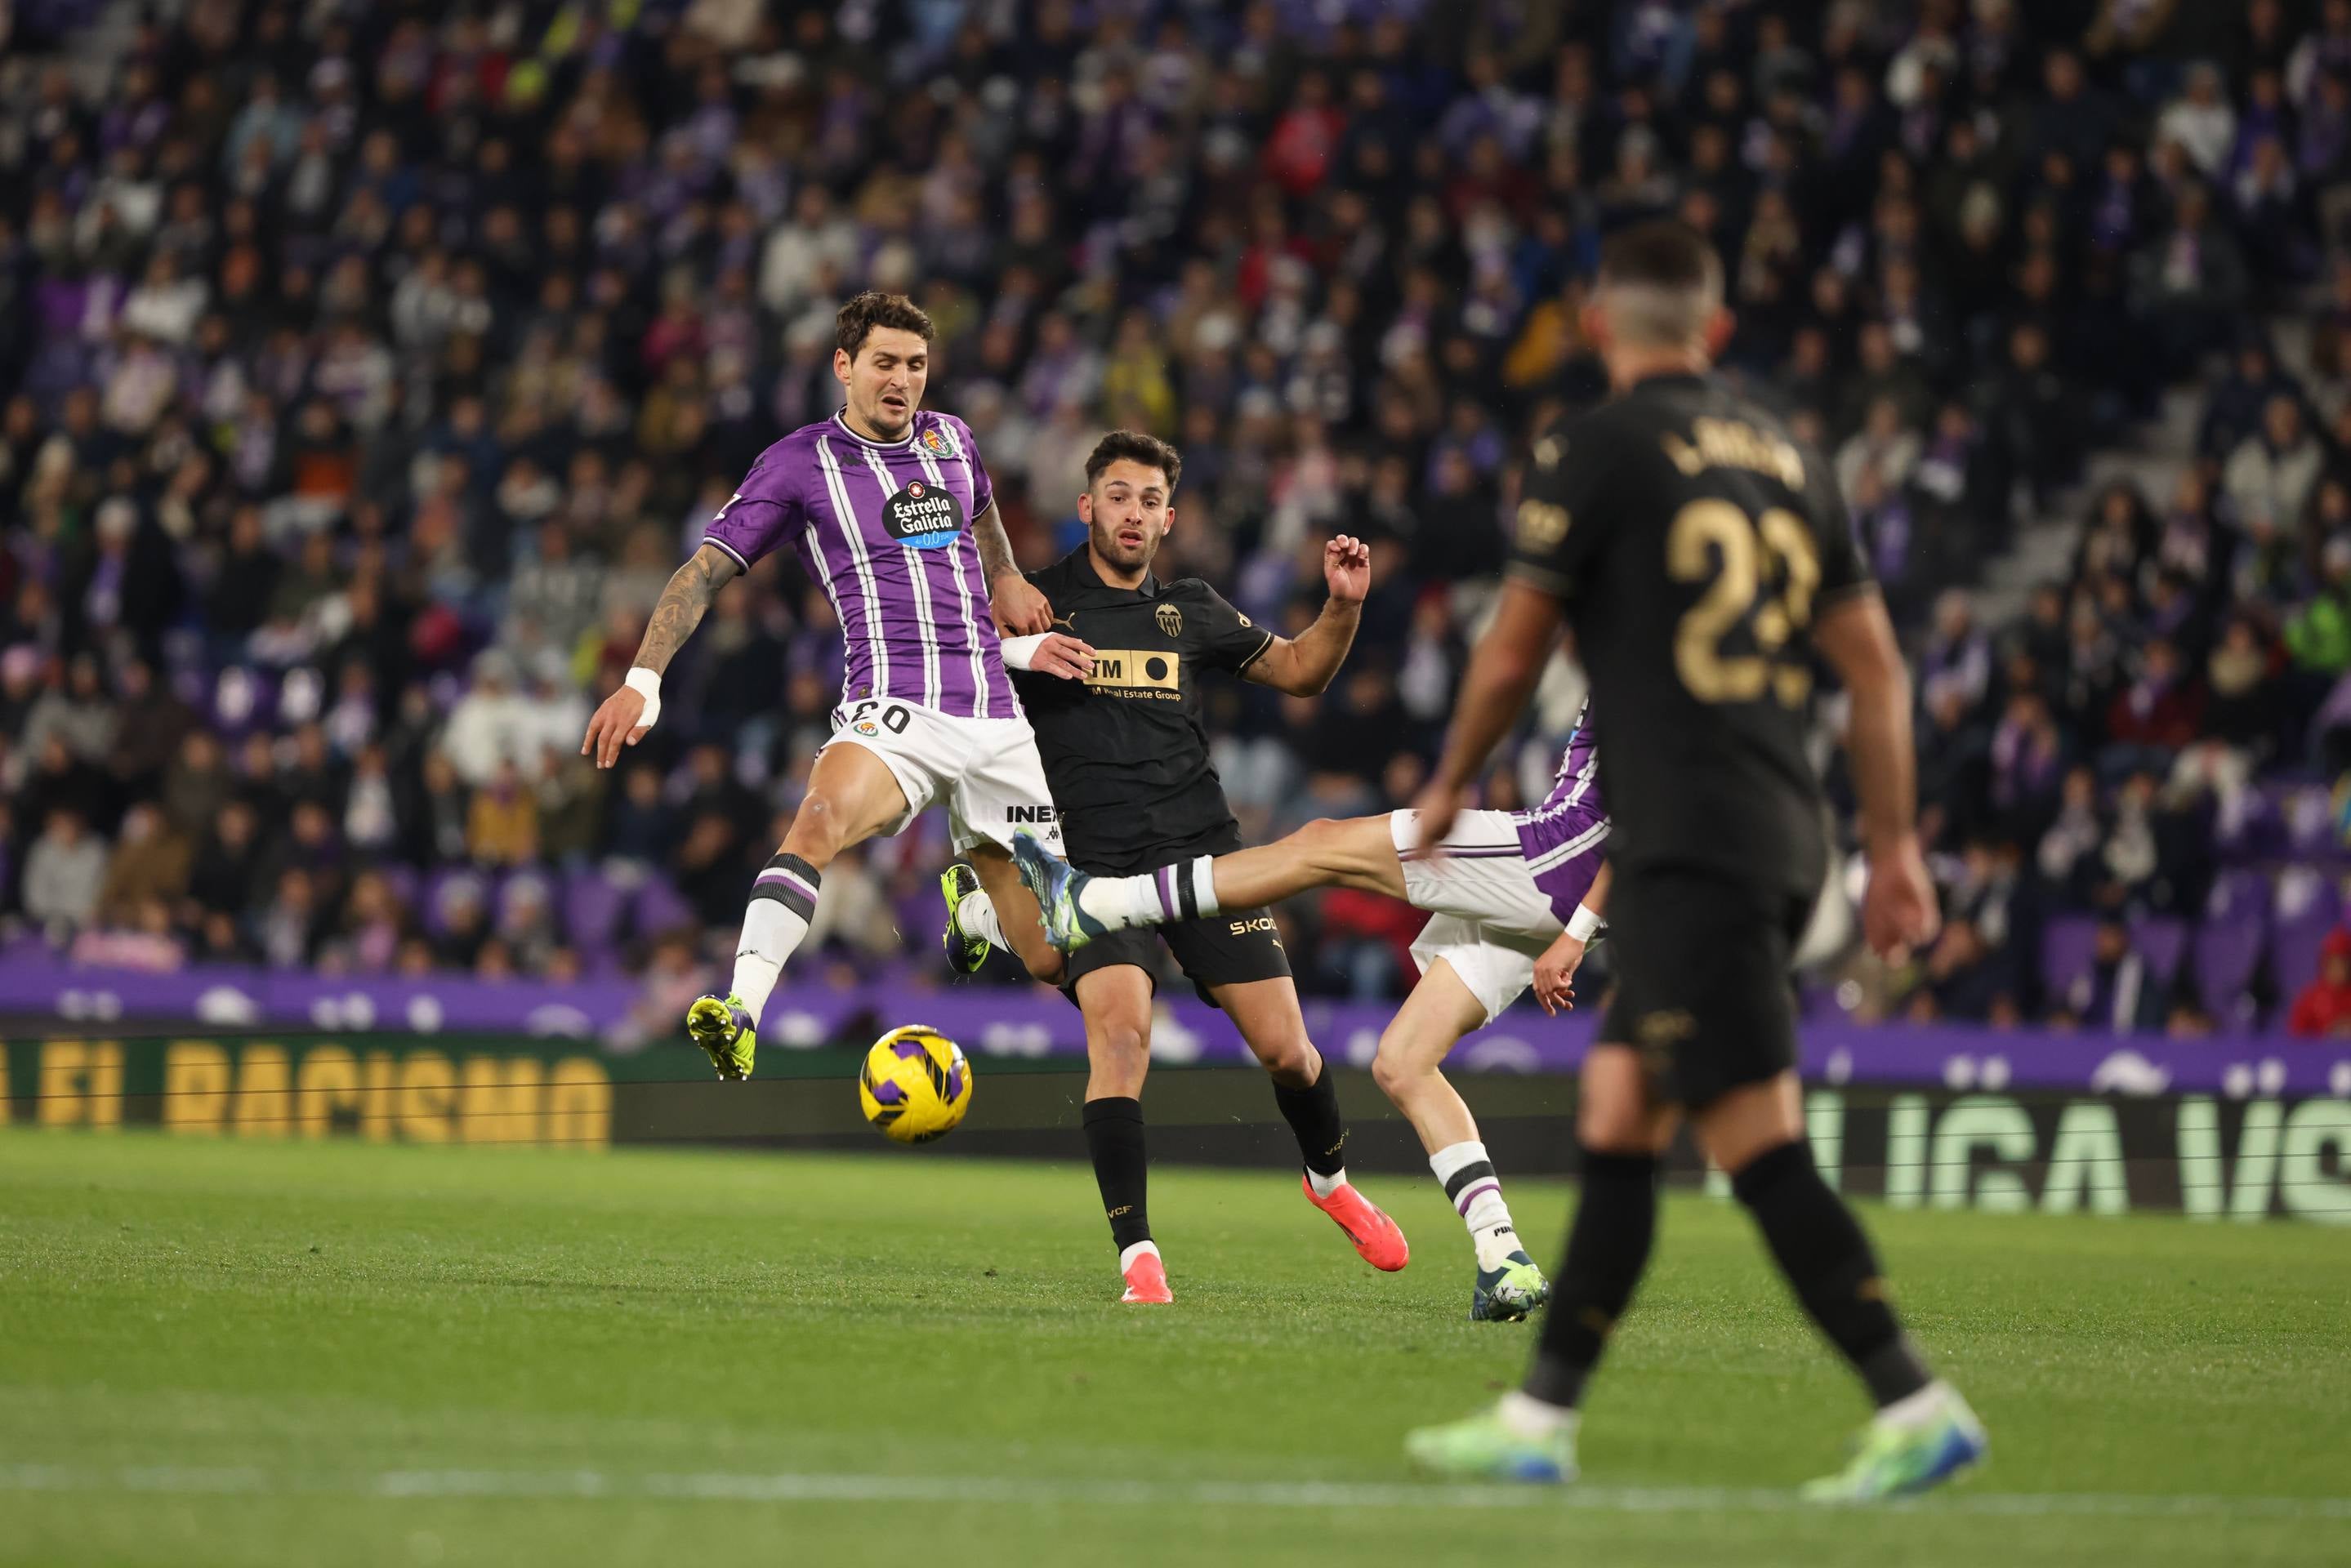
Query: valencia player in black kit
{"type": "Point", "coordinates": [1127, 758]}
{"type": "Point", "coordinates": [1698, 557]}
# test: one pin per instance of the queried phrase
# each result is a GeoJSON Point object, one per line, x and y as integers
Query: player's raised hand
{"type": "Point", "coordinates": [1347, 568]}
{"type": "Point", "coordinates": [1063, 655]}
{"type": "Point", "coordinates": [622, 718]}
{"type": "Point", "coordinates": [1438, 803]}
{"type": "Point", "coordinates": [1899, 913]}
{"type": "Point", "coordinates": [1019, 607]}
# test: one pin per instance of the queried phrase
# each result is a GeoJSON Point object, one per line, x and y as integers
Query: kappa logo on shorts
{"type": "Point", "coordinates": [926, 516]}
{"type": "Point", "coordinates": [1170, 618]}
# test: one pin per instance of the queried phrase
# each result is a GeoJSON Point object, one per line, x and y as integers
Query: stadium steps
{"type": "Point", "coordinates": [2045, 546]}
{"type": "Point", "coordinates": [2160, 453]}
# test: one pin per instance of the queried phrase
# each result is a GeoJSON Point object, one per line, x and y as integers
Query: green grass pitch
{"type": "Point", "coordinates": [336, 1353]}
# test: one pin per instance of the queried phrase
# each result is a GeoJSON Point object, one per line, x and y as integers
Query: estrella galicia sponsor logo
{"type": "Point", "coordinates": [925, 515]}
{"type": "Point", "coordinates": [1028, 814]}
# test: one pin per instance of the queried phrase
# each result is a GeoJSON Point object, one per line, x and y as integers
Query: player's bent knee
{"type": "Point", "coordinates": [818, 830]}
{"type": "Point", "coordinates": [1119, 1042]}
{"type": "Point", "coordinates": [1609, 1124]}
{"type": "Point", "coordinates": [1400, 1070]}
{"type": "Point", "coordinates": [1286, 1057]}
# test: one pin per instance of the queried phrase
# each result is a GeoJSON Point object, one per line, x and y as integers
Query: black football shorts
{"type": "Point", "coordinates": [1702, 979]}
{"type": "Point", "coordinates": [1223, 949]}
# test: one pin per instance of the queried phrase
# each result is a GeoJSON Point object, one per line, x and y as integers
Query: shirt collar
{"type": "Point", "coordinates": [1081, 563]}
{"type": "Point", "coordinates": [840, 423]}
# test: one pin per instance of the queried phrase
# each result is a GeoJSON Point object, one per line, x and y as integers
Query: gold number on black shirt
{"type": "Point", "coordinates": [1777, 545]}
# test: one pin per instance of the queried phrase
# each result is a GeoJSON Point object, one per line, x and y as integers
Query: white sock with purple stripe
{"type": "Point", "coordinates": [975, 916]}
{"type": "Point", "coordinates": [1469, 1179]}
{"type": "Point", "coordinates": [783, 902]}
{"type": "Point", "coordinates": [1181, 892]}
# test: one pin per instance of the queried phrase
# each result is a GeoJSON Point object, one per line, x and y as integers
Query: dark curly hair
{"type": "Point", "coordinates": [1134, 446]}
{"type": "Point", "coordinates": [873, 308]}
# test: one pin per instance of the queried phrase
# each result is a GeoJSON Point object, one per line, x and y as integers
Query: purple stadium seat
{"type": "Point", "coordinates": [2161, 940]}
{"type": "Point", "coordinates": [2247, 830]}
{"type": "Point", "coordinates": [2309, 906]}
{"type": "Point", "coordinates": [401, 878]}
{"type": "Point", "coordinates": [2069, 945]}
{"type": "Point", "coordinates": [661, 908]}
{"type": "Point", "coordinates": [592, 907]}
{"type": "Point", "coordinates": [2307, 812]}
{"type": "Point", "coordinates": [2229, 944]}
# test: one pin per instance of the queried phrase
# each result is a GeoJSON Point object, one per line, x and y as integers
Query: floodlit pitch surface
{"type": "Point", "coordinates": [224, 1352]}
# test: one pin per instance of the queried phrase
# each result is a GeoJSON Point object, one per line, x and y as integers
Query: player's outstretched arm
{"type": "Point", "coordinates": [1304, 666]}
{"type": "Point", "coordinates": [1017, 604]}
{"type": "Point", "coordinates": [1502, 675]}
{"type": "Point", "coordinates": [1857, 640]}
{"type": "Point", "coordinates": [630, 711]}
{"type": "Point", "coordinates": [1050, 653]}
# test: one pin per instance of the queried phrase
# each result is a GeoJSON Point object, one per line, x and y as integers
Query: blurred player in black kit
{"type": "Point", "coordinates": [1698, 556]}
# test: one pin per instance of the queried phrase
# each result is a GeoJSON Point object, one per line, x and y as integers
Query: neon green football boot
{"type": "Point", "coordinates": [965, 952]}
{"type": "Point", "coordinates": [1507, 1294]}
{"type": "Point", "coordinates": [1895, 1458]}
{"type": "Point", "coordinates": [1487, 1447]}
{"type": "Point", "coordinates": [725, 1028]}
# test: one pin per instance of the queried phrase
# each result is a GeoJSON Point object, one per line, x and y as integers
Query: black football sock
{"type": "Point", "coordinates": [1313, 1117]}
{"type": "Point", "coordinates": [1822, 1249]}
{"type": "Point", "coordinates": [1114, 1139]}
{"type": "Point", "coordinates": [1607, 1249]}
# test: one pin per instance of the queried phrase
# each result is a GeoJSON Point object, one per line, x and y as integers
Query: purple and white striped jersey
{"type": "Point", "coordinates": [1565, 838]}
{"type": "Point", "coordinates": [884, 528]}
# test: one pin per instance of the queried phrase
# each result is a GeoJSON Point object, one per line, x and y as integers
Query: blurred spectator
{"type": "Point", "coordinates": [487, 728]}
{"type": "Point", "coordinates": [2116, 996]}
{"type": "Point", "coordinates": [63, 871]}
{"type": "Point", "coordinates": [151, 864]}
{"type": "Point", "coordinates": [2271, 474]}
{"type": "Point", "coordinates": [502, 825]}
{"type": "Point", "coordinates": [2323, 1008]}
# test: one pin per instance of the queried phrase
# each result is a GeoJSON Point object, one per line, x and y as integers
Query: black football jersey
{"type": "Point", "coordinates": [1692, 542]}
{"type": "Point", "coordinates": [1126, 752]}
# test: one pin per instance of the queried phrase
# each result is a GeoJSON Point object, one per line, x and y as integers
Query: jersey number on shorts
{"type": "Point", "coordinates": [893, 717]}
{"type": "Point", "coordinates": [1739, 558]}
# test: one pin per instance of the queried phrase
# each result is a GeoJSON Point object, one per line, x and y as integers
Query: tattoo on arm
{"type": "Point", "coordinates": [690, 589]}
{"type": "Point", "coordinates": [995, 544]}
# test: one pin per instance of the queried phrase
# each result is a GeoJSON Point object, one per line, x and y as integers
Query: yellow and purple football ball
{"type": "Point", "coordinates": [916, 1084]}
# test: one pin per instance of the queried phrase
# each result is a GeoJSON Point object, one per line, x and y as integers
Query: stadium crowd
{"type": "Point", "coordinates": [366, 368]}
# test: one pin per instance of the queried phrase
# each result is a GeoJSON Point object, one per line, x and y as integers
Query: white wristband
{"type": "Point", "coordinates": [643, 681]}
{"type": "Point", "coordinates": [1582, 924]}
{"type": "Point", "coordinates": [1019, 651]}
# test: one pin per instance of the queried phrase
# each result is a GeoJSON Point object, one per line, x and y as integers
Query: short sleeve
{"type": "Point", "coordinates": [1229, 639]}
{"type": "Point", "coordinates": [1561, 514]}
{"type": "Point", "coordinates": [983, 489]}
{"type": "Point", "coordinates": [1842, 570]}
{"type": "Point", "coordinates": [760, 517]}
